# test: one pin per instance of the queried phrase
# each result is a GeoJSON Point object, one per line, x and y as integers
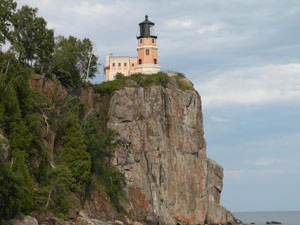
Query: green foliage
{"type": "Point", "coordinates": [16, 188]}
{"type": "Point", "coordinates": [183, 83]}
{"type": "Point", "coordinates": [74, 60]}
{"type": "Point", "coordinates": [142, 80]}
{"type": "Point", "coordinates": [101, 146]}
{"type": "Point", "coordinates": [13, 123]}
{"type": "Point", "coordinates": [72, 104]}
{"type": "Point", "coordinates": [75, 156]}
{"type": "Point", "coordinates": [30, 39]}
{"type": "Point", "coordinates": [57, 195]}
{"type": "Point", "coordinates": [43, 174]}
{"type": "Point", "coordinates": [114, 182]}
{"type": "Point", "coordinates": [7, 8]}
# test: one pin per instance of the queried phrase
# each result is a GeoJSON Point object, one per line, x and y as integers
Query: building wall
{"type": "Point", "coordinates": [119, 64]}
{"type": "Point", "coordinates": [129, 65]}
{"type": "Point", "coordinates": [144, 45]}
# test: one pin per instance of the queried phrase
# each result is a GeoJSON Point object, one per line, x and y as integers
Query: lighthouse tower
{"type": "Point", "coordinates": [147, 62]}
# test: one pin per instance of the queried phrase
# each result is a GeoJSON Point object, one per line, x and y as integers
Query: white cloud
{"type": "Point", "coordinates": [87, 9]}
{"type": "Point", "coordinates": [258, 85]}
{"type": "Point", "coordinates": [180, 23]}
{"type": "Point", "coordinates": [210, 28]}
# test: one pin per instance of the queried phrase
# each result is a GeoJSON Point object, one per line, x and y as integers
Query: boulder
{"type": "Point", "coordinates": [88, 221]}
{"type": "Point", "coordinates": [21, 220]}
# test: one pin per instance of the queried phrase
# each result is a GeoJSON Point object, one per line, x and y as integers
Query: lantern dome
{"type": "Point", "coordinates": [146, 29]}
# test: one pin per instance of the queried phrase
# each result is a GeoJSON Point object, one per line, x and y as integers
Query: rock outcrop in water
{"type": "Point", "coordinates": [164, 155]}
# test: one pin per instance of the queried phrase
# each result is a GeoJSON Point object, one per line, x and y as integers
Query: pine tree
{"type": "Point", "coordinates": [16, 188]}
{"type": "Point", "coordinates": [14, 125]}
{"type": "Point", "coordinates": [74, 155]}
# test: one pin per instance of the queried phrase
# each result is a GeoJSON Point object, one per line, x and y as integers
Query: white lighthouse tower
{"type": "Point", "coordinates": [147, 62]}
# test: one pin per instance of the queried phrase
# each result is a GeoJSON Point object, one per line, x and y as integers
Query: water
{"type": "Point", "coordinates": [260, 218]}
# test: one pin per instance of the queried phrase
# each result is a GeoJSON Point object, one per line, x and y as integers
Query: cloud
{"type": "Point", "coordinates": [92, 10]}
{"type": "Point", "coordinates": [211, 28]}
{"type": "Point", "coordinates": [256, 85]}
{"type": "Point", "coordinates": [180, 23]}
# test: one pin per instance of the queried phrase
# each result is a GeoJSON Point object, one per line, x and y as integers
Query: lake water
{"type": "Point", "coordinates": [260, 218]}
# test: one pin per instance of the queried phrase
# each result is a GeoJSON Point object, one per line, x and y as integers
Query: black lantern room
{"type": "Point", "coordinates": [146, 29]}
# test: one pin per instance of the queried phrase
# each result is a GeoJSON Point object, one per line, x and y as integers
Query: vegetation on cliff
{"type": "Point", "coordinates": [35, 177]}
{"type": "Point", "coordinates": [141, 80]}
{"type": "Point", "coordinates": [32, 177]}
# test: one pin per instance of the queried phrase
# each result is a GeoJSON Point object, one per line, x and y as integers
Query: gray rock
{"type": "Point", "coordinates": [170, 174]}
{"type": "Point", "coordinates": [88, 221]}
{"type": "Point", "coordinates": [22, 220]}
{"type": "Point", "coordinates": [130, 82]}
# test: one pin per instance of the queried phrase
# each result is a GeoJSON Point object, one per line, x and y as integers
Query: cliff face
{"type": "Point", "coordinates": [163, 155]}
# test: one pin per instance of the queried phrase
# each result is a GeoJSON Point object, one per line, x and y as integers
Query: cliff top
{"type": "Point", "coordinates": [143, 80]}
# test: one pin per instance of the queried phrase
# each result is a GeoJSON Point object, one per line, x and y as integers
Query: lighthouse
{"type": "Point", "coordinates": [147, 62]}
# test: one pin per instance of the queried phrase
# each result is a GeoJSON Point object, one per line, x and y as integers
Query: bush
{"type": "Point", "coordinates": [142, 80]}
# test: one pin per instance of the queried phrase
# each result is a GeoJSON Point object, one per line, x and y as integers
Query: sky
{"type": "Point", "coordinates": [243, 57]}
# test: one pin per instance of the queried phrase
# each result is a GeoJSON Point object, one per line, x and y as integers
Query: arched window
{"type": "Point", "coordinates": [147, 51]}
{"type": "Point", "coordinates": [155, 61]}
{"type": "Point", "coordinates": [140, 61]}
{"type": "Point", "coordinates": [141, 41]}
{"type": "Point", "coordinates": [152, 40]}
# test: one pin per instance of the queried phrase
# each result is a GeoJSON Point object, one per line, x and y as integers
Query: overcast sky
{"type": "Point", "coordinates": [243, 57]}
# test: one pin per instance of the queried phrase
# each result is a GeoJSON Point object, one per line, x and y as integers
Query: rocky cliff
{"type": "Point", "coordinates": [163, 155]}
{"type": "Point", "coordinates": [170, 180]}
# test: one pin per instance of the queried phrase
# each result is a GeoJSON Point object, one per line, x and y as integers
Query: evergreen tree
{"type": "Point", "coordinates": [43, 174]}
{"type": "Point", "coordinates": [74, 155]}
{"type": "Point", "coordinates": [14, 125]}
{"type": "Point", "coordinates": [16, 188]}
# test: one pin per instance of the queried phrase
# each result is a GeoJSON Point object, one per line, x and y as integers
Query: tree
{"type": "Point", "coordinates": [32, 42]}
{"type": "Point", "coordinates": [16, 188]}
{"type": "Point", "coordinates": [7, 8]}
{"type": "Point", "coordinates": [88, 61]}
{"type": "Point", "coordinates": [74, 60]}
{"type": "Point", "coordinates": [74, 155]}
{"type": "Point", "coordinates": [101, 146]}
{"type": "Point", "coordinates": [13, 123]}
{"type": "Point", "coordinates": [54, 191]}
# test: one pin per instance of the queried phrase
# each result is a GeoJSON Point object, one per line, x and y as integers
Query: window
{"type": "Point", "coordinates": [152, 40]}
{"type": "Point", "coordinates": [125, 64]}
{"type": "Point", "coordinates": [113, 64]}
{"type": "Point", "coordinates": [147, 51]}
{"type": "Point", "coordinates": [155, 61]}
{"type": "Point", "coordinates": [132, 64]}
{"type": "Point", "coordinates": [119, 64]}
{"type": "Point", "coordinates": [140, 61]}
{"type": "Point", "coordinates": [141, 41]}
